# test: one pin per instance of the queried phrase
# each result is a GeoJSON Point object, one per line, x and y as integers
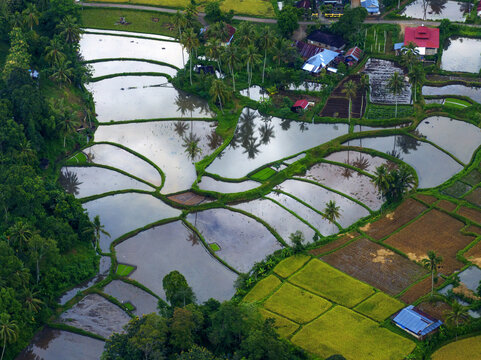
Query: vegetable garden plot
{"type": "Point", "coordinates": [433, 231]}
{"type": "Point", "coordinates": [376, 265]}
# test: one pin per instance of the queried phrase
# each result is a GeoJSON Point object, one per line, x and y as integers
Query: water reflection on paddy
{"type": "Point", "coordinates": [105, 154]}
{"type": "Point", "coordinates": [160, 250]}
{"type": "Point", "coordinates": [312, 217]}
{"type": "Point", "coordinates": [126, 212]}
{"type": "Point", "coordinates": [437, 10]}
{"type": "Point", "coordinates": [432, 165]}
{"type": "Point", "coordinates": [98, 46]}
{"type": "Point", "coordinates": [210, 184]}
{"type": "Point", "coordinates": [117, 67]}
{"type": "Point", "coordinates": [317, 197]}
{"type": "Point", "coordinates": [242, 240]}
{"type": "Point", "coordinates": [458, 50]}
{"type": "Point", "coordinates": [143, 97]}
{"type": "Point", "coordinates": [459, 138]}
{"type": "Point", "coordinates": [87, 181]}
{"type": "Point", "coordinates": [53, 344]}
{"type": "Point", "coordinates": [255, 93]}
{"type": "Point", "coordinates": [281, 220]}
{"type": "Point", "coordinates": [461, 90]}
{"type": "Point", "coordinates": [347, 181]}
{"type": "Point", "coordinates": [167, 144]}
{"type": "Point", "coordinates": [358, 159]}
{"type": "Point", "coordinates": [144, 302]}
{"type": "Point", "coordinates": [259, 140]}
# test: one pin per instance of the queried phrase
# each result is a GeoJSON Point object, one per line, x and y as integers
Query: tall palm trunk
{"type": "Point", "coordinates": [395, 111]}
{"type": "Point", "coordinates": [264, 68]}
{"type": "Point", "coordinates": [190, 67]}
{"type": "Point", "coordinates": [414, 90]}
{"type": "Point", "coordinates": [181, 48]}
{"type": "Point", "coordinates": [4, 345]}
{"type": "Point", "coordinates": [220, 103]}
{"type": "Point", "coordinates": [233, 76]}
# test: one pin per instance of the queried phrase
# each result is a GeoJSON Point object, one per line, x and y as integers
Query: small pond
{"type": "Point", "coordinates": [437, 10]}
{"type": "Point", "coordinates": [456, 52]}
{"type": "Point", "coordinates": [247, 242]}
{"type": "Point", "coordinates": [87, 181]}
{"type": "Point", "coordinates": [281, 220]}
{"type": "Point", "coordinates": [432, 165]}
{"type": "Point", "coordinates": [473, 92]}
{"type": "Point", "coordinates": [118, 67]}
{"type": "Point", "coordinates": [317, 197]}
{"type": "Point", "coordinates": [144, 302]}
{"type": "Point", "coordinates": [259, 140]}
{"type": "Point", "coordinates": [162, 249]}
{"type": "Point", "coordinates": [97, 315]}
{"type": "Point", "coordinates": [255, 93]}
{"type": "Point", "coordinates": [98, 46]}
{"type": "Point", "coordinates": [168, 145]}
{"type": "Point", "coordinates": [459, 138]}
{"type": "Point", "coordinates": [143, 97]}
{"type": "Point", "coordinates": [380, 71]}
{"type": "Point", "coordinates": [347, 181]}
{"type": "Point", "coordinates": [210, 184]}
{"type": "Point", "coordinates": [53, 344]}
{"type": "Point", "coordinates": [109, 155]}
{"type": "Point", "coordinates": [312, 217]}
{"type": "Point", "coordinates": [360, 160]}
{"type": "Point", "coordinates": [130, 33]}
{"type": "Point", "coordinates": [294, 159]}
{"type": "Point", "coordinates": [119, 219]}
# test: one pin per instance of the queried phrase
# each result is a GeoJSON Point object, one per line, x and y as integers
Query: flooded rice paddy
{"type": "Point", "coordinates": [437, 10]}
{"type": "Point", "coordinates": [461, 90]}
{"type": "Point", "coordinates": [255, 93]}
{"type": "Point", "coordinates": [128, 66]}
{"type": "Point", "coordinates": [457, 50]}
{"type": "Point", "coordinates": [358, 159]}
{"type": "Point", "coordinates": [143, 302]}
{"type": "Point", "coordinates": [210, 184]}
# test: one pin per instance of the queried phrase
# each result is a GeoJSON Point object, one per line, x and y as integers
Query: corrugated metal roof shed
{"type": "Point", "coordinates": [416, 322]}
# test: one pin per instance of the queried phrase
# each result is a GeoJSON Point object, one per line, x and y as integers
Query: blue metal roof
{"type": "Point", "coordinates": [372, 6]}
{"type": "Point", "coordinates": [320, 60]}
{"type": "Point", "coordinates": [398, 46]}
{"type": "Point", "coordinates": [415, 322]}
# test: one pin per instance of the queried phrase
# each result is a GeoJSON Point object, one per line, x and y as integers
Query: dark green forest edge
{"type": "Point", "coordinates": [46, 242]}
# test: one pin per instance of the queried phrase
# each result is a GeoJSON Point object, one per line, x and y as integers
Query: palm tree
{"type": "Point", "coordinates": [219, 91]}
{"type": "Point", "coordinates": [267, 39]}
{"type": "Point", "coordinates": [332, 211]}
{"type": "Point", "coordinates": [381, 178]}
{"type": "Point", "coordinates": [70, 29]}
{"type": "Point", "coordinates": [180, 22]}
{"type": "Point", "coordinates": [69, 181]}
{"type": "Point", "coordinates": [97, 229]}
{"type": "Point", "coordinates": [180, 127]}
{"type": "Point", "coordinates": [251, 58]}
{"type": "Point", "coordinates": [190, 42]}
{"type": "Point", "coordinates": [8, 331]}
{"type": "Point", "coordinates": [245, 34]}
{"type": "Point", "coordinates": [190, 13]}
{"type": "Point", "coordinates": [62, 72]}
{"type": "Point", "coordinates": [16, 20]}
{"type": "Point", "coordinates": [54, 54]}
{"type": "Point", "coordinates": [282, 50]}
{"type": "Point", "coordinates": [395, 87]}
{"type": "Point", "coordinates": [191, 145]}
{"type": "Point", "coordinates": [19, 234]}
{"type": "Point", "coordinates": [416, 75]}
{"type": "Point", "coordinates": [350, 89]}
{"type": "Point", "coordinates": [231, 57]}
{"type": "Point", "coordinates": [409, 55]}
{"type": "Point", "coordinates": [363, 86]}
{"type": "Point", "coordinates": [458, 313]}
{"type": "Point", "coordinates": [31, 301]}
{"type": "Point", "coordinates": [431, 263]}
{"type": "Point", "coordinates": [213, 51]}
{"type": "Point", "coordinates": [69, 125]}
{"type": "Point", "coordinates": [31, 16]}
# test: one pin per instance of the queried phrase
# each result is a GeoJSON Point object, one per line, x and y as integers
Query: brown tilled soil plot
{"type": "Point", "coordinates": [334, 244]}
{"type": "Point", "coordinates": [438, 309]}
{"type": "Point", "coordinates": [337, 104]}
{"type": "Point", "coordinates": [474, 229]}
{"type": "Point", "coordinates": [428, 199]}
{"type": "Point", "coordinates": [474, 254]}
{"type": "Point", "coordinates": [433, 231]}
{"type": "Point", "coordinates": [406, 212]}
{"type": "Point", "coordinates": [376, 265]}
{"type": "Point", "coordinates": [446, 205]}
{"type": "Point", "coordinates": [474, 197]}
{"type": "Point", "coordinates": [187, 198]}
{"type": "Point", "coordinates": [418, 290]}
{"type": "Point", "coordinates": [470, 213]}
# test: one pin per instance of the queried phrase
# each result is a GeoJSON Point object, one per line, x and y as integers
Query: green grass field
{"type": "Point", "coordinates": [262, 289]}
{"type": "Point", "coordinates": [465, 349]}
{"type": "Point", "coordinates": [124, 270]}
{"type": "Point", "coordinates": [78, 158]}
{"type": "Point", "coordinates": [129, 306]}
{"type": "Point", "coordinates": [379, 112]}
{"type": "Point", "coordinates": [331, 283]}
{"type": "Point", "coordinates": [290, 265]}
{"type": "Point", "coordinates": [342, 331]}
{"type": "Point", "coordinates": [283, 326]}
{"type": "Point", "coordinates": [263, 174]}
{"type": "Point", "coordinates": [379, 306]}
{"type": "Point", "coordinates": [140, 21]}
{"type": "Point", "coordinates": [456, 103]}
{"type": "Point", "coordinates": [296, 304]}
{"type": "Point", "coordinates": [214, 246]}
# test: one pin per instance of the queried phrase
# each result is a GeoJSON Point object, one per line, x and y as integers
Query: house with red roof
{"type": "Point", "coordinates": [300, 105]}
{"type": "Point", "coordinates": [426, 39]}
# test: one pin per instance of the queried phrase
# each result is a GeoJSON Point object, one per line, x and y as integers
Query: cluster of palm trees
{"type": "Point", "coordinates": [393, 184]}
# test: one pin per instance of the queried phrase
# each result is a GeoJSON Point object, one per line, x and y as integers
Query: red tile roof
{"type": "Point", "coordinates": [307, 50]}
{"type": "Point", "coordinates": [301, 103]}
{"type": "Point", "coordinates": [422, 36]}
{"type": "Point", "coordinates": [354, 52]}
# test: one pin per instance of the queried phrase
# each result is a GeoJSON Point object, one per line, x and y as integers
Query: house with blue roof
{"type": "Point", "coordinates": [416, 322]}
{"type": "Point", "coordinates": [372, 6]}
{"type": "Point", "coordinates": [321, 60]}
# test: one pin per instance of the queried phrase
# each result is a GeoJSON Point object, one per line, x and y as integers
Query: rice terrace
{"type": "Point", "coordinates": [252, 179]}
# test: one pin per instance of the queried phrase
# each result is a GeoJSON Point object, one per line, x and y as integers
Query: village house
{"type": "Point", "coordinates": [326, 40]}
{"type": "Point", "coordinates": [322, 59]}
{"type": "Point", "coordinates": [426, 39]}
{"type": "Point", "coordinates": [415, 322]}
{"type": "Point", "coordinates": [372, 6]}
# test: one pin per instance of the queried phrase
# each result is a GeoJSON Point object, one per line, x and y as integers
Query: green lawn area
{"type": "Point", "coordinates": [290, 265]}
{"type": "Point", "coordinates": [296, 304]}
{"type": "Point", "coordinates": [456, 103]}
{"type": "Point", "coordinates": [283, 326]}
{"type": "Point", "coordinates": [262, 289]}
{"type": "Point", "coordinates": [379, 112]}
{"type": "Point", "coordinates": [140, 21]}
{"type": "Point", "coordinates": [129, 306]}
{"type": "Point", "coordinates": [379, 306]}
{"type": "Point", "coordinates": [263, 174]}
{"type": "Point", "coordinates": [124, 270]}
{"type": "Point", "coordinates": [469, 348]}
{"type": "Point", "coordinates": [78, 158]}
{"type": "Point", "coordinates": [331, 283]}
{"type": "Point", "coordinates": [342, 331]}
{"type": "Point", "coordinates": [214, 246]}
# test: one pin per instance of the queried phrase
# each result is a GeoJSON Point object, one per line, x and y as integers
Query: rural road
{"type": "Point", "coordinates": [410, 22]}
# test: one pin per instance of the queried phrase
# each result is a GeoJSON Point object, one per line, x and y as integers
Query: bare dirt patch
{"type": "Point", "coordinates": [437, 309]}
{"type": "Point", "coordinates": [446, 205]}
{"type": "Point", "coordinates": [473, 229]}
{"type": "Point", "coordinates": [406, 212]}
{"type": "Point", "coordinates": [474, 254]}
{"type": "Point", "coordinates": [474, 197]}
{"type": "Point", "coordinates": [342, 240]}
{"type": "Point", "coordinates": [428, 199]}
{"type": "Point", "coordinates": [471, 214]}
{"type": "Point", "coordinates": [337, 104]}
{"type": "Point", "coordinates": [433, 231]}
{"type": "Point", "coordinates": [187, 198]}
{"type": "Point", "coordinates": [376, 265]}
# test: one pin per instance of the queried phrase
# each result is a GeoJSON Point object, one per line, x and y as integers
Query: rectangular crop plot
{"type": "Point", "coordinates": [262, 289]}
{"type": "Point", "coordinates": [406, 212]}
{"type": "Point", "coordinates": [474, 197]}
{"type": "Point", "coordinates": [337, 243]}
{"type": "Point", "coordinates": [290, 265]}
{"type": "Point", "coordinates": [322, 279]}
{"type": "Point", "coordinates": [433, 231]}
{"type": "Point", "coordinates": [379, 306]}
{"type": "Point", "coordinates": [376, 265]}
{"type": "Point", "coordinates": [283, 326]}
{"type": "Point", "coordinates": [296, 304]}
{"type": "Point", "coordinates": [457, 190]}
{"type": "Point", "coordinates": [263, 174]}
{"type": "Point", "coordinates": [472, 178]}
{"type": "Point", "coordinates": [342, 331]}
{"type": "Point", "coordinates": [470, 213]}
